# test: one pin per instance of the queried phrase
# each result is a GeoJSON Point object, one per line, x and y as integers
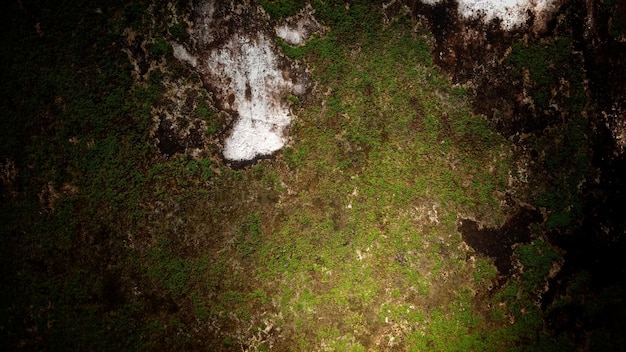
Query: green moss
{"type": "Point", "coordinates": [485, 272]}
{"type": "Point", "coordinates": [568, 157]}
{"type": "Point", "coordinates": [178, 30]}
{"type": "Point", "coordinates": [296, 53]}
{"type": "Point", "coordinates": [171, 272]}
{"type": "Point", "coordinates": [546, 64]}
{"type": "Point", "coordinates": [249, 235]}
{"type": "Point", "coordinates": [363, 242]}
{"type": "Point", "coordinates": [537, 259]}
{"type": "Point", "coordinates": [160, 47]}
{"type": "Point", "coordinates": [293, 100]}
{"type": "Point", "coordinates": [280, 9]}
{"type": "Point", "coordinates": [565, 151]}
{"type": "Point", "coordinates": [134, 12]}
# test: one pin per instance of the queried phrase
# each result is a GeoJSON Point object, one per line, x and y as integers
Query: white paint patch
{"type": "Point", "coordinates": [511, 13]}
{"type": "Point", "coordinates": [247, 79]}
{"type": "Point", "coordinates": [239, 61]}
{"type": "Point", "coordinates": [298, 29]}
{"type": "Point", "coordinates": [291, 35]}
{"type": "Point", "coordinates": [182, 54]}
{"type": "Point", "coordinates": [250, 82]}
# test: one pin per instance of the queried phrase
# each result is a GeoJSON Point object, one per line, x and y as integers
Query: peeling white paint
{"type": "Point", "coordinates": [511, 13]}
{"type": "Point", "coordinates": [245, 70]}
{"type": "Point", "coordinates": [182, 54]}
{"type": "Point", "coordinates": [296, 30]}
{"type": "Point", "coordinates": [251, 82]}
{"type": "Point", "coordinates": [431, 2]}
{"type": "Point", "coordinates": [291, 35]}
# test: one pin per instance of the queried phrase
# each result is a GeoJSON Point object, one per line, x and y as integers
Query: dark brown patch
{"type": "Point", "coordinates": [177, 139]}
{"type": "Point", "coordinates": [248, 92]}
{"type": "Point", "coordinates": [169, 143]}
{"type": "Point", "coordinates": [498, 243]}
